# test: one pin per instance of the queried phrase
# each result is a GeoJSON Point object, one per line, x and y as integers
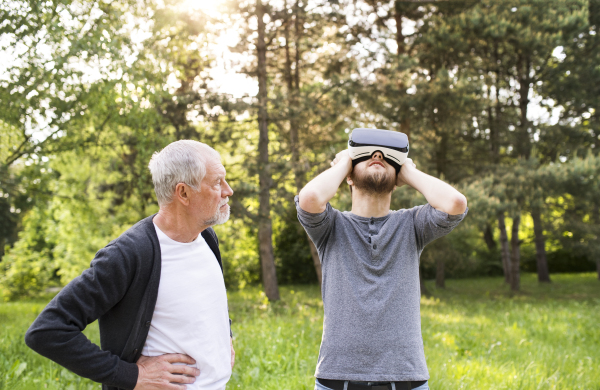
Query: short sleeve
{"type": "Point", "coordinates": [318, 226]}
{"type": "Point", "coordinates": [431, 224]}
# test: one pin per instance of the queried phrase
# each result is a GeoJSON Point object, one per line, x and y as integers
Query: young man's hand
{"type": "Point", "coordinates": [343, 158]}
{"type": "Point", "coordinates": [439, 195]}
{"type": "Point", "coordinates": [407, 168]}
{"type": "Point", "coordinates": [316, 193]}
{"type": "Point", "coordinates": [159, 372]}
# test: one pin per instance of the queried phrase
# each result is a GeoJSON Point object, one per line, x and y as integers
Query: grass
{"type": "Point", "coordinates": [477, 336]}
{"type": "Point", "coordinates": [21, 368]}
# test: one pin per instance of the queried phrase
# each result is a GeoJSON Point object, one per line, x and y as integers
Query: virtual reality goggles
{"type": "Point", "coordinates": [392, 144]}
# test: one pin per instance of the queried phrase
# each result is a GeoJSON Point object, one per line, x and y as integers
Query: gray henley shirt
{"type": "Point", "coordinates": [371, 293]}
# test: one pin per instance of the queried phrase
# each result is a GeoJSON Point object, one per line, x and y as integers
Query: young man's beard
{"type": "Point", "coordinates": [378, 183]}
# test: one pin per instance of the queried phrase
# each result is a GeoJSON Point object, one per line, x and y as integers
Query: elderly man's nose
{"type": "Point", "coordinates": [227, 191]}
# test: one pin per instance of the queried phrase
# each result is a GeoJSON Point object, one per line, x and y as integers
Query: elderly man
{"type": "Point", "coordinates": [370, 264]}
{"type": "Point", "coordinates": [157, 290]}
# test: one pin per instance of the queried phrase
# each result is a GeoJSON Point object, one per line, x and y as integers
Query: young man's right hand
{"type": "Point", "coordinates": [159, 372]}
{"type": "Point", "coordinates": [317, 192]}
{"type": "Point", "coordinates": [344, 159]}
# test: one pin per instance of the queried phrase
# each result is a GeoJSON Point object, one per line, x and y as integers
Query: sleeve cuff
{"type": "Point", "coordinates": [126, 376]}
{"type": "Point", "coordinates": [311, 219]}
{"type": "Point", "coordinates": [448, 220]}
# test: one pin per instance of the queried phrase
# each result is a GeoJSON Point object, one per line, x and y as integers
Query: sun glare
{"type": "Point", "coordinates": [208, 6]}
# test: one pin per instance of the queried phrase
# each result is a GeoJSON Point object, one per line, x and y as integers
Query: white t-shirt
{"type": "Point", "coordinates": [191, 315]}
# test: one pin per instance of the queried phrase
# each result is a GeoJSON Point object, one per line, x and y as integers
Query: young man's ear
{"type": "Point", "coordinates": [350, 183]}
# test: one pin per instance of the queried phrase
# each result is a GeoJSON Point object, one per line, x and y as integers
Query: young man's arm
{"type": "Point", "coordinates": [441, 196]}
{"type": "Point", "coordinates": [314, 196]}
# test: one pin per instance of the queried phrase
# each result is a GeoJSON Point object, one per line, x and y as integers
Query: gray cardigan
{"type": "Point", "coordinates": [120, 290]}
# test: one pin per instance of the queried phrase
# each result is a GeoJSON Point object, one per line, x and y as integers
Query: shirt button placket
{"type": "Point", "coordinates": [374, 251]}
{"type": "Point", "coordinates": [372, 240]}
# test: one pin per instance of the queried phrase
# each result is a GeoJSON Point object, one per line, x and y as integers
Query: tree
{"type": "Point", "coordinates": [264, 224]}
{"type": "Point", "coordinates": [45, 88]}
{"type": "Point", "coordinates": [574, 189]}
{"type": "Point", "coordinates": [83, 141]}
{"type": "Point", "coordinates": [306, 99]}
{"type": "Point", "coordinates": [513, 43]}
{"type": "Point", "coordinates": [312, 83]}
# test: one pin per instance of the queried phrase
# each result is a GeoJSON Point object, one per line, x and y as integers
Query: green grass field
{"type": "Point", "coordinates": [477, 336]}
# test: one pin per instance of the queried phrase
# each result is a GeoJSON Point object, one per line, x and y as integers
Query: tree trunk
{"type": "Point", "coordinates": [403, 120]}
{"type": "Point", "coordinates": [597, 215]}
{"type": "Point", "coordinates": [424, 291]}
{"type": "Point", "coordinates": [399, 36]}
{"type": "Point", "coordinates": [504, 246]}
{"type": "Point", "coordinates": [495, 120]}
{"type": "Point", "coordinates": [523, 140]}
{"type": "Point", "coordinates": [488, 237]}
{"type": "Point", "coordinates": [265, 235]}
{"type": "Point", "coordinates": [297, 27]}
{"type": "Point", "coordinates": [540, 246]}
{"type": "Point", "coordinates": [293, 87]}
{"type": "Point", "coordinates": [440, 281]}
{"type": "Point", "coordinates": [515, 277]}
{"type": "Point", "coordinates": [441, 159]}
{"type": "Point", "coordinates": [292, 97]}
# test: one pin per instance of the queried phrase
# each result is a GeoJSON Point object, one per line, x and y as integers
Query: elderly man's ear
{"type": "Point", "coordinates": [182, 193]}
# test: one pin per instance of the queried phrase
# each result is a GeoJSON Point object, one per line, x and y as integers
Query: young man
{"type": "Point", "coordinates": [370, 263]}
{"type": "Point", "coordinates": [157, 290]}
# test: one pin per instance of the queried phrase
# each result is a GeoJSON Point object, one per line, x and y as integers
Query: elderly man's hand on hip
{"type": "Point", "coordinates": [160, 372]}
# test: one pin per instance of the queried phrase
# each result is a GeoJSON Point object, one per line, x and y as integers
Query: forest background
{"type": "Point", "coordinates": [499, 98]}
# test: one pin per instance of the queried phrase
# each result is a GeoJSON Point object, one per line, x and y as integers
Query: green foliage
{"type": "Point", "coordinates": [561, 261]}
{"type": "Point", "coordinates": [61, 235]}
{"type": "Point", "coordinates": [107, 84]}
{"type": "Point", "coordinates": [292, 253]}
{"type": "Point", "coordinates": [29, 266]}
{"type": "Point", "coordinates": [237, 242]}
{"type": "Point", "coordinates": [81, 128]}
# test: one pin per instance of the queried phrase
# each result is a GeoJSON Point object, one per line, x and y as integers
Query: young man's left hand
{"type": "Point", "coordinates": [441, 196]}
{"type": "Point", "coordinates": [405, 171]}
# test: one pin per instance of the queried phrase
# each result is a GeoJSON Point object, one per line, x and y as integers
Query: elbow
{"type": "Point", "coordinates": [40, 342]}
{"type": "Point", "coordinates": [310, 201]}
{"type": "Point", "coordinates": [37, 338]}
{"type": "Point", "coordinates": [32, 339]}
{"type": "Point", "coordinates": [459, 204]}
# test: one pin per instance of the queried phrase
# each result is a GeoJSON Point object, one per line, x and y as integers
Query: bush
{"type": "Point", "coordinates": [292, 252]}
{"type": "Point", "coordinates": [28, 267]}
{"type": "Point", "coordinates": [561, 261]}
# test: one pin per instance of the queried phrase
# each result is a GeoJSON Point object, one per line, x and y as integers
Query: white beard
{"type": "Point", "coordinates": [220, 216]}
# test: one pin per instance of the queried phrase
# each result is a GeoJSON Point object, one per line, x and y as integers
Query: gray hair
{"type": "Point", "coordinates": [181, 161]}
